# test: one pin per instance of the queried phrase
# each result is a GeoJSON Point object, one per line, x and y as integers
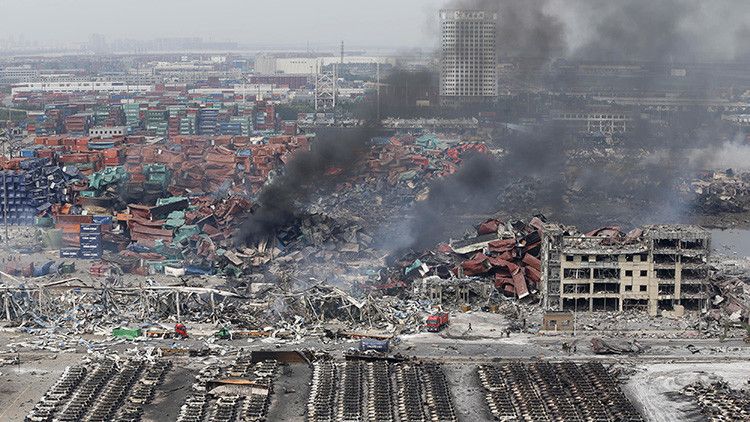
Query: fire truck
{"type": "Point", "coordinates": [437, 321]}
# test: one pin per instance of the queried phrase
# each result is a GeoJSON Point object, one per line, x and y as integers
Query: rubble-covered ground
{"type": "Point", "coordinates": [656, 387]}
{"type": "Point", "coordinates": [347, 263]}
{"type": "Point", "coordinates": [459, 350]}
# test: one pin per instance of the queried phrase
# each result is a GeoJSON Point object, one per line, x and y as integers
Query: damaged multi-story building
{"type": "Point", "coordinates": [657, 268]}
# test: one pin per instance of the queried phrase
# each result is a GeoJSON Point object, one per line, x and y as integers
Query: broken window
{"type": "Point", "coordinates": [691, 289]}
{"type": "Point", "coordinates": [665, 274]}
{"type": "Point", "coordinates": [665, 259]}
{"type": "Point", "coordinates": [606, 273]}
{"type": "Point", "coordinates": [643, 288]}
{"type": "Point", "coordinates": [576, 273]}
{"type": "Point", "coordinates": [628, 304]}
{"type": "Point", "coordinates": [629, 258]}
{"type": "Point", "coordinates": [666, 289]}
{"type": "Point", "coordinates": [690, 274]}
{"type": "Point", "coordinates": [605, 304]}
{"type": "Point", "coordinates": [692, 304]}
{"type": "Point", "coordinates": [576, 288]}
{"type": "Point", "coordinates": [628, 288]}
{"type": "Point", "coordinates": [666, 243]}
{"type": "Point", "coordinates": [606, 288]}
{"type": "Point", "coordinates": [666, 305]}
{"type": "Point", "coordinates": [628, 273]}
{"type": "Point", "coordinates": [692, 259]}
{"type": "Point", "coordinates": [575, 304]}
{"type": "Point", "coordinates": [692, 244]}
{"type": "Point", "coordinates": [569, 258]}
{"type": "Point", "coordinates": [643, 257]}
{"type": "Point", "coordinates": [644, 273]}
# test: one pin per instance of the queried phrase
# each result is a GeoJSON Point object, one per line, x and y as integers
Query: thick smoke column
{"type": "Point", "coordinates": [527, 177]}
{"type": "Point", "coordinates": [332, 155]}
{"type": "Point", "coordinates": [665, 30]}
{"type": "Point", "coordinates": [525, 27]}
{"type": "Point", "coordinates": [628, 30]}
{"type": "Point", "coordinates": [586, 187]}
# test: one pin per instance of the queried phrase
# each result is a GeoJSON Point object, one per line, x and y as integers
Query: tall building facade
{"type": "Point", "coordinates": [469, 59]}
{"type": "Point", "coordinates": [655, 269]}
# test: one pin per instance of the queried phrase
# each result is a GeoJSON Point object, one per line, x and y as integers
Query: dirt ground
{"type": "Point", "coordinates": [290, 392]}
{"type": "Point", "coordinates": [468, 395]}
{"type": "Point", "coordinates": [171, 393]}
{"type": "Point", "coordinates": [21, 386]}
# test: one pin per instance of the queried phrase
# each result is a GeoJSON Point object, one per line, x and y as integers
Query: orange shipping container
{"type": "Point", "coordinates": [70, 228]}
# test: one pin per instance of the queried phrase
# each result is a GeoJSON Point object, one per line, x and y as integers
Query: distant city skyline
{"type": "Point", "coordinates": [282, 23]}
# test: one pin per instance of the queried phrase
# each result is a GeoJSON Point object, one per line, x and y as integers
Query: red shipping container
{"type": "Point", "coordinates": [115, 161]}
{"type": "Point", "coordinates": [112, 153]}
{"type": "Point", "coordinates": [45, 153]}
{"type": "Point", "coordinates": [74, 158]}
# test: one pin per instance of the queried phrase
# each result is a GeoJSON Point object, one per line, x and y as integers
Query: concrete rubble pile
{"type": "Point", "coordinates": [325, 308]}
{"type": "Point", "coordinates": [615, 347]}
{"type": "Point", "coordinates": [731, 299]}
{"type": "Point", "coordinates": [503, 255]}
{"type": "Point", "coordinates": [314, 246]}
{"type": "Point", "coordinates": [721, 192]}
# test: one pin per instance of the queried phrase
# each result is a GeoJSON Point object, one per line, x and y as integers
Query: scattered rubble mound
{"type": "Point", "coordinates": [731, 299]}
{"type": "Point", "coordinates": [505, 255]}
{"type": "Point", "coordinates": [615, 347]}
{"type": "Point", "coordinates": [720, 192]}
{"type": "Point", "coordinates": [554, 392]}
{"type": "Point", "coordinates": [718, 402]}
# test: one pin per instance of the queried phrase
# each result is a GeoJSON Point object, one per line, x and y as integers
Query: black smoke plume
{"type": "Point", "coordinates": [526, 179]}
{"type": "Point", "coordinates": [333, 155]}
{"type": "Point", "coordinates": [525, 27]}
{"type": "Point", "coordinates": [604, 182]}
{"type": "Point", "coordinates": [628, 30]}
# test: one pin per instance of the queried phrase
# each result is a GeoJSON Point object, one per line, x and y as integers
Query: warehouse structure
{"type": "Point", "coordinates": [658, 268]}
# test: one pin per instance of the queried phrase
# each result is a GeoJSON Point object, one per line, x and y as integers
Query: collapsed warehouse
{"type": "Point", "coordinates": [655, 269]}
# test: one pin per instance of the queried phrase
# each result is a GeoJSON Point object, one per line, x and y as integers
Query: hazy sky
{"type": "Point", "coordinates": [388, 23]}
